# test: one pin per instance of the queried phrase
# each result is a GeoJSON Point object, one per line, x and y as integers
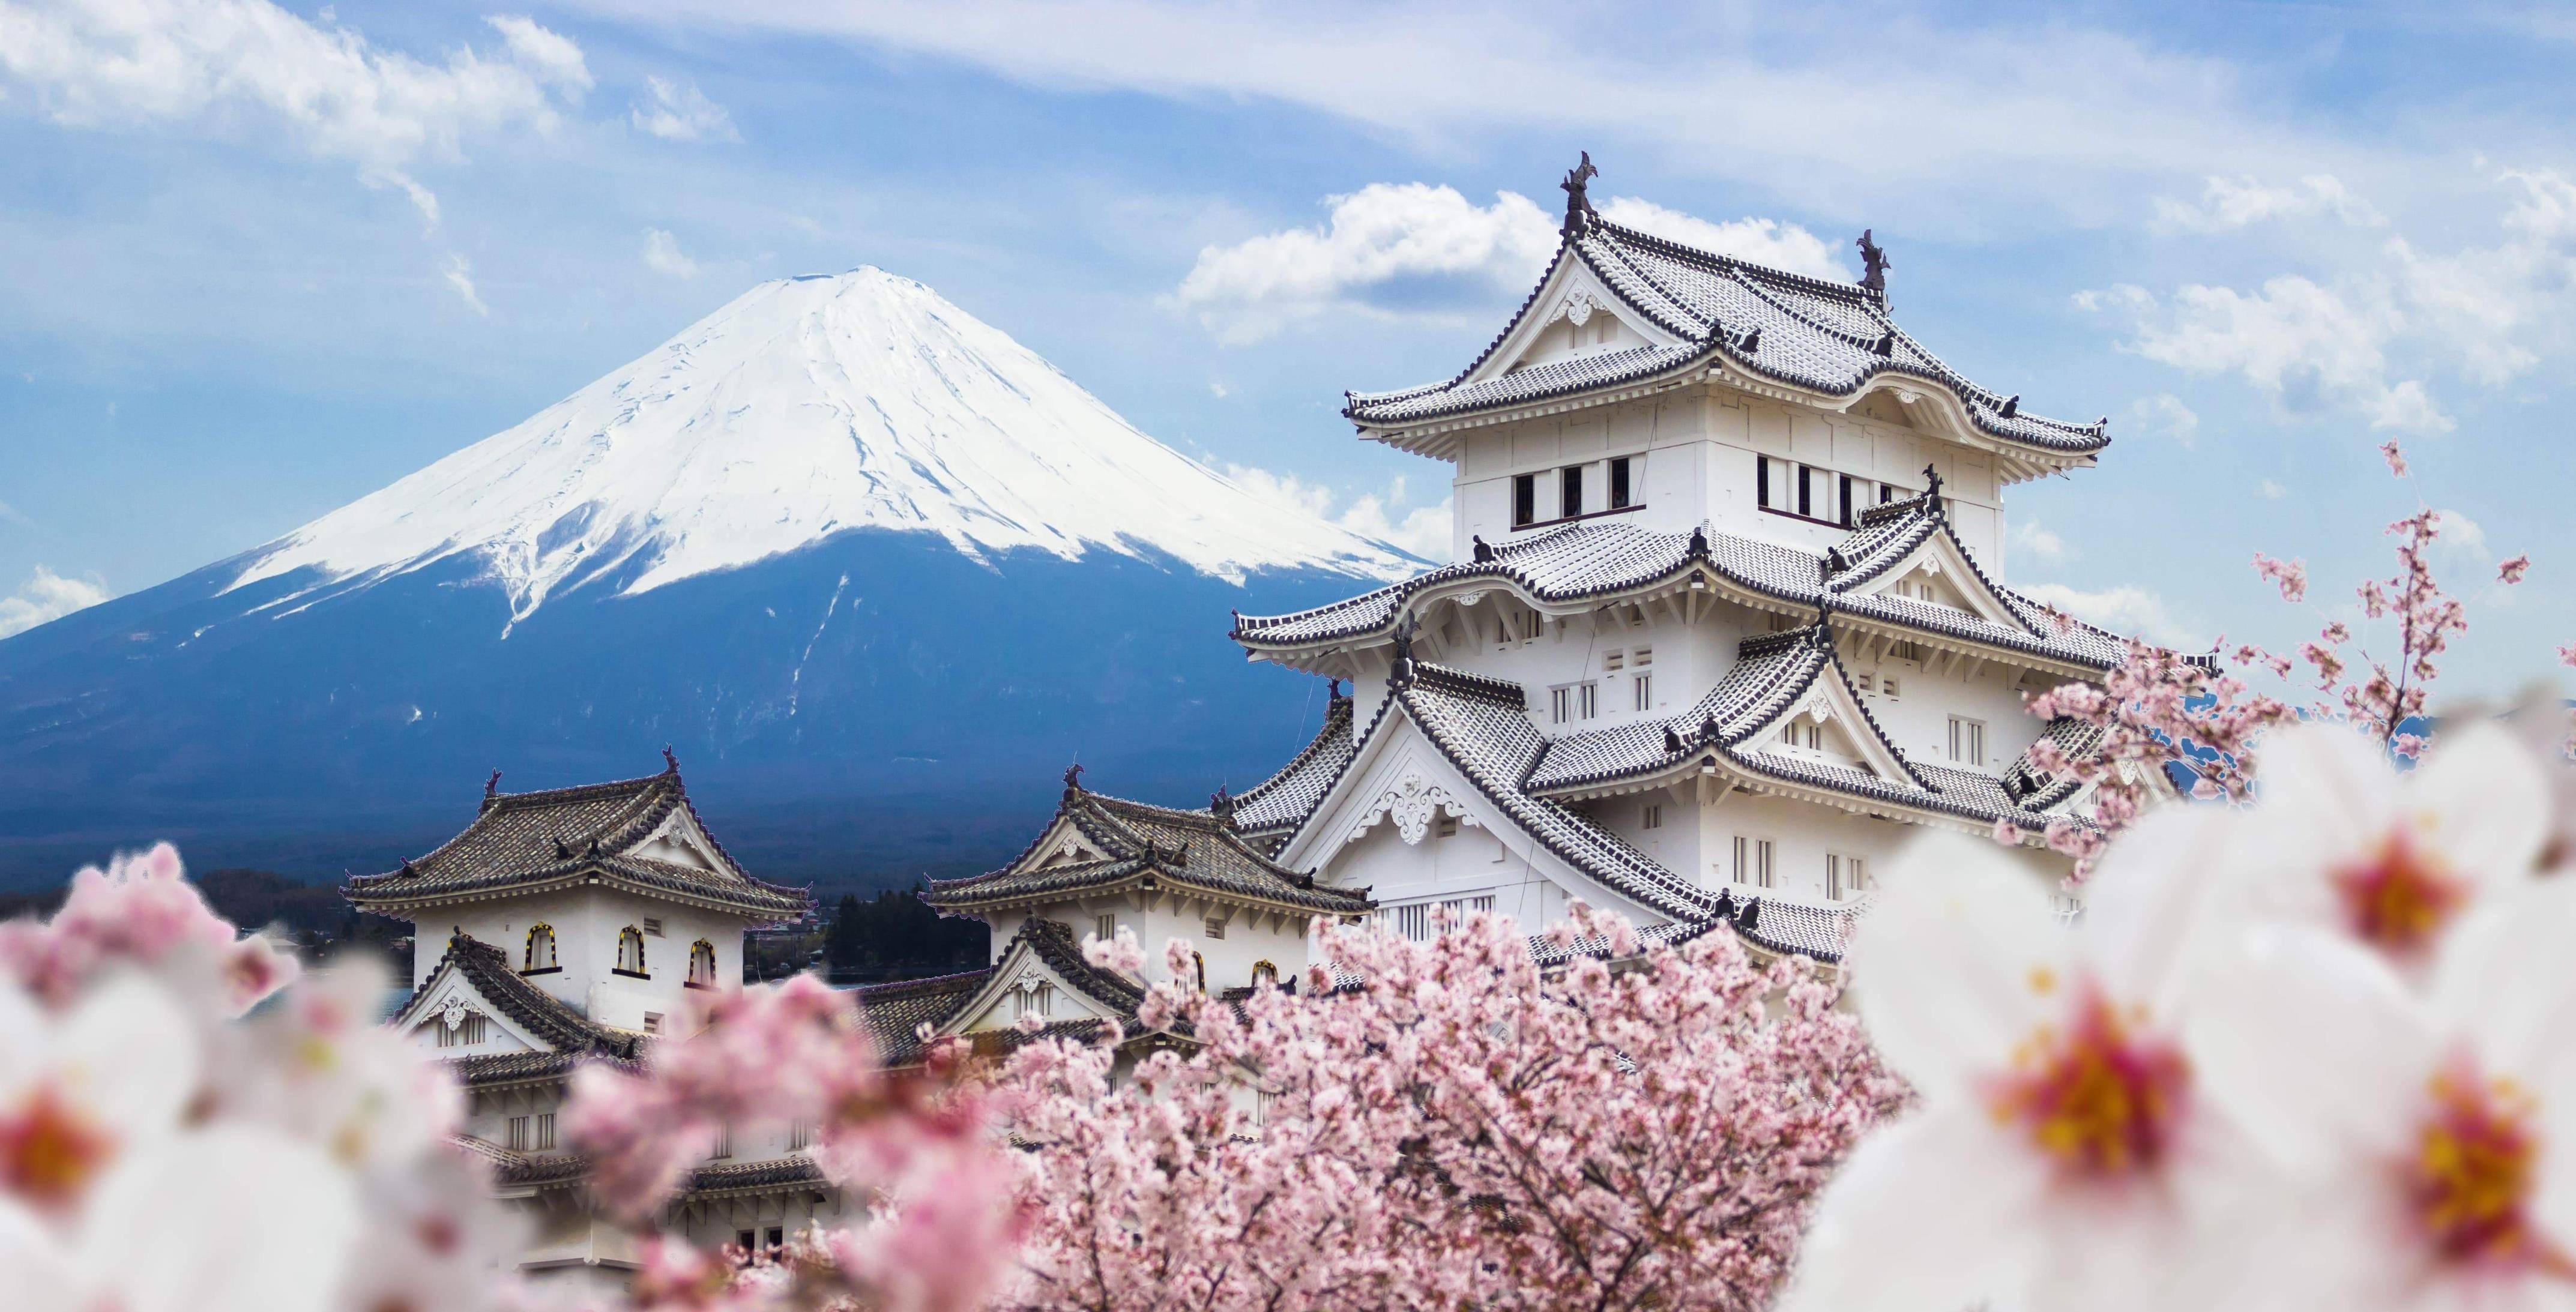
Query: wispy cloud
{"type": "Point", "coordinates": [2031, 536]}
{"type": "Point", "coordinates": [678, 111]}
{"type": "Point", "coordinates": [249, 69]}
{"type": "Point", "coordinates": [45, 597]}
{"type": "Point", "coordinates": [2133, 611]}
{"type": "Point", "coordinates": [662, 255]}
{"type": "Point", "coordinates": [2367, 340]}
{"type": "Point", "coordinates": [460, 279]}
{"type": "Point", "coordinates": [2229, 203]}
{"type": "Point", "coordinates": [1414, 250]}
{"type": "Point", "coordinates": [2165, 416]}
{"type": "Point", "coordinates": [1421, 530]}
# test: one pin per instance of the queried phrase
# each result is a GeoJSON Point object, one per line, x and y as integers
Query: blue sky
{"type": "Point", "coordinates": [265, 259]}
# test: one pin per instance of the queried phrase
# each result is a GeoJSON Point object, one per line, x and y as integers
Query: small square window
{"type": "Point", "coordinates": [1641, 657]}
{"type": "Point", "coordinates": [1653, 817]}
{"type": "Point", "coordinates": [1105, 926]}
{"type": "Point", "coordinates": [1215, 928]}
{"type": "Point", "coordinates": [1887, 685]}
{"type": "Point", "coordinates": [1614, 661]}
{"type": "Point", "coordinates": [652, 1022]}
{"type": "Point", "coordinates": [1448, 827]}
{"type": "Point", "coordinates": [653, 926]}
{"type": "Point", "coordinates": [515, 1135]}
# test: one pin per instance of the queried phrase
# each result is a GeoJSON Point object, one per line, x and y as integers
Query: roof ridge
{"type": "Point", "coordinates": [1729, 264]}
{"type": "Point", "coordinates": [1484, 687]}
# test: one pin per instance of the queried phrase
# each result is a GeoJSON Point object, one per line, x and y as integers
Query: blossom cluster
{"type": "Point", "coordinates": [2310, 1053]}
{"type": "Point", "coordinates": [162, 1149]}
{"type": "Point", "coordinates": [1446, 1123]}
{"type": "Point", "coordinates": [915, 1147]}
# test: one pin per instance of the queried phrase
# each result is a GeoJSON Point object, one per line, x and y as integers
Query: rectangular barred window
{"type": "Point", "coordinates": [799, 1135]}
{"type": "Point", "coordinates": [1105, 926]}
{"type": "Point", "coordinates": [723, 1145]}
{"type": "Point", "coordinates": [1653, 816]}
{"type": "Point", "coordinates": [1843, 504]}
{"type": "Point", "coordinates": [1560, 704]}
{"type": "Point", "coordinates": [652, 1022]}
{"type": "Point", "coordinates": [1967, 740]}
{"type": "Point", "coordinates": [1865, 682]}
{"type": "Point", "coordinates": [1806, 490]}
{"type": "Point", "coordinates": [545, 1130]}
{"type": "Point", "coordinates": [515, 1134]}
{"type": "Point", "coordinates": [1641, 657]}
{"type": "Point", "coordinates": [1614, 662]}
{"type": "Point", "coordinates": [1524, 500]}
{"type": "Point", "coordinates": [1846, 877]}
{"type": "Point", "coordinates": [653, 926]}
{"type": "Point", "coordinates": [1569, 491]}
{"type": "Point", "coordinates": [1753, 861]}
{"type": "Point", "coordinates": [1644, 687]}
{"type": "Point", "coordinates": [1413, 923]}
{"type": "Point", "coordinates": [1887, 685]}
{"type": "Point", "coordinates": [1447, 827]}
{"type": "Point", "coordinates": [1587, 698]}
{"type": "Point", "coordinates": [1762, 482]}
{"type": "Point", "coordinates": [1215, 928]}
{"type": "Point", "coordinates": [1622, 491]}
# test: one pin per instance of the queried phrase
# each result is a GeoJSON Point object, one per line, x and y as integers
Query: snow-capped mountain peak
{"type": "Point", "coordinates": [805, 408]}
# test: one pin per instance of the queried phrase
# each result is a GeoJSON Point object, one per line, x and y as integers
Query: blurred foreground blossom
{"type": "Point", "coordinates": [2316, 1053]}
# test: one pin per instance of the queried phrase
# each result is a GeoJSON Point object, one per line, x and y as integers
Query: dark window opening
{"type": "Point", "coordinates": [1569, 496]}
{"type": "Point", "coordinates": [1846, 501]}
{"type": "Point", "coordinates": [1524, 499]}
{"type": "Point", "coordinates": [1762, 481]}
{"type": "Point", "coordinates": [1886, 493]}
{"type": "Point", "coordinates": [1621, 497]}
{"type": "Point", "coordinates": [1805, 483]}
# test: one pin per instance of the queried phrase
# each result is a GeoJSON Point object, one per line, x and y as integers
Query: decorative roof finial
{"type": "Point", "coordinates": [1221, 805]}
{"type": "Point", "coordinates": [1578, 206]}
{"type": "Point", "coordinates": [1874, 264]}
{"type": "Point", "coordinates": [1333, 690]}
{"type": "Point", "coordinates": [669, 761]}
{"type": "Point", "coordinates": [1073, 778]}
{"type": "Point", "coordinates": [1402, 670]}
{"type": "Point", "coordinates": [1697, 547]}
{"type": "Point", "coordinates": [1484, 550]}
{"type": "Point", "coordinates": [492, 786]}
{"type": "Point", "coordinates": [1932, 483]}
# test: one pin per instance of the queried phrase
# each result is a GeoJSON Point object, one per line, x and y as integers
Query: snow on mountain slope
{"type": "Point", "coordinates": [807, 407]}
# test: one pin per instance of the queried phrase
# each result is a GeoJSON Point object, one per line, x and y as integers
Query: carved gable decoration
{"type": "Point", "coordinates": [1411, 802]}
{"type": "Point", "coordinates": [1937, 573]}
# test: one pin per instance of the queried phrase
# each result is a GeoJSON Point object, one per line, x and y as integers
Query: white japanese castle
{"type": "Point", "coordinates": [1726, 626]}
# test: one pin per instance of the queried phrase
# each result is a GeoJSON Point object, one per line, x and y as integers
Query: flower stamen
{"type": "Point", "coordinates": [2100, 1096]}
{"type": "Point", "coordinates": [2470, 1182]}
{"type": "Point", "coordinates": [2400, 896]}
{"type": "Point", "coordinates": [49, 1152]}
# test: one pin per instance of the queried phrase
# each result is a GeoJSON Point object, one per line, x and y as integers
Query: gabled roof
{"type": "Point", "coordinates": [1133, 844]}
{"type": "Point", "coordinates": [549, 1019]}
{"type": "Point", "coordinates": [897, 1012]}
{"type": "Point", "coordinates": [1567, 569]}
{"type": "Point", "coordinates": [1277, 805]}
{"type": "Point", "coordinates": [595, 833]}
{"type": "Point", "coordinates": [1824, 338]}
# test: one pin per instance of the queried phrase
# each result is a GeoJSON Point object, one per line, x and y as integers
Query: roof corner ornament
{"type": "Point", "coordinates": [1874, 264]}
{"type": "Point", "coordinates": [1579, 214]}
{"type": "Point", "coordinates": [1072, 780]}
{"type": "Point", "coordinates": [1221, 805]}
{"type": "Point", "coordinates": [1751, 917]}
{"type": "Point", "coordinates": [1697, 547]}
{"type": "Point", "coordinates": [1672, 742]}
{"type": "Point", "coordinates": [563, 850]}
{"type": "Point", "coordinates": [1752, 341]}
{"type": "Point", "coordinates": [1932, 484]}
{"type": "Point", "coordinates": [2011, 407]}
{"type": "Point", "coordinates": [1333, 691]}
{"type": "Point", "coordinates": [1402, 671]}
{"type": "Point", "coordinates": [1726, 904]}
{"type": "Point", "coordinates": [492, 786]}
{"type": "Point", "coordinates": [670, 762]}
{"type": "Point", "coordinates": [1885, 346]}
{"type": "Point", "coordinates": [1484, 550]}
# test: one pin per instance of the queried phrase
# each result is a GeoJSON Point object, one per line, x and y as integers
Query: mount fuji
{"type": "Point", "coordinates": [873, 568]}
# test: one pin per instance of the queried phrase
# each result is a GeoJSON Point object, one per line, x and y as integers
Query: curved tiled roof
{"type": "Point", "coordinates": [896, 1012]}
{"type": "Point", "coordinates": [1138, 842]}
{"type": "Point", "coordinates": [1823, 336]}
{"type": "Point", "coordinates": [1280, 803]}
{"type": "Point", "coordinates": [1588, 561]}
{"type": "Point", "coordinates": [564, 835]}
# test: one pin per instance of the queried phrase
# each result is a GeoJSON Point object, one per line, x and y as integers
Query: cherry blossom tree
{"type": "Point", "coordinates": [1448, 1123]}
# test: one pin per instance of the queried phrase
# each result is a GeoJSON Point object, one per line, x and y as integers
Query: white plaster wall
{"type": "Point", "coordinates": [586, 922]}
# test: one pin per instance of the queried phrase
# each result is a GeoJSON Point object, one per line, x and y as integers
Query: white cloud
{"type": "Point", "coordinates": [47, 596]}
{"type": "Point", "coordinates": [1412, 249]}
{"type": "Point", "coordinates": [2273, 491]}
{"type": "Point", "coordinates": [678, 111]}
{"type": "Point", "coordinates": [662, 255]}
{"type": "Point", "coordinates": [2165, 416]}
{"type": "Point", "coordinates": [2462, 537]}
{"type": "Point", "coordinates": [460, 276]}
{"type": "Point", "coordinates": [2029, 535]}
{"type": "Point", "coordinates": [248, 68]}
{"type": "Point", "coordinates": [1762, 241]}
{"type": "Point", "coordinates": [2228, 203]}
{"type": "Point", "coordinates": [10, 514]}
{"type": "Point", "coordinates": [2365, 341]}
{"type": "Point", "coordinates": [1780, 96]}
{"type": "Point", "coordinates": [1422, 530]}
{"type": "Point", "coordinates": [1386, 249]}
{"type": "Point", "coordinates": [1219, 390]}
{"type": "Point", "coordinates": [2126, 610]}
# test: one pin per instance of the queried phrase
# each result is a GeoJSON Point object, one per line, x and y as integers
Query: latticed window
{"type": "Point", "coordinates": [541, 949]}
{"type": "Point", "coordinates": [630, 951]}
{"type": "Point", "coordinates": [702, 965]}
